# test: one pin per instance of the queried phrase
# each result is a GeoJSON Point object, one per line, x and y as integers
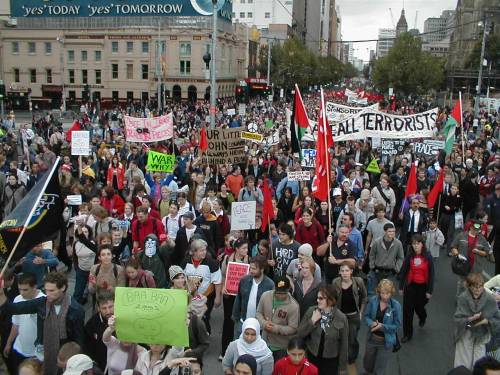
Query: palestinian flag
{"type": "Point", "coordinates": [299, 122]}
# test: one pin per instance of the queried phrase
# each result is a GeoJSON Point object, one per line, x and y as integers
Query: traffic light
{"type": "Point", "coordinates": [241, 95]}
{"type": "Point", "coordinates": [2, 90]}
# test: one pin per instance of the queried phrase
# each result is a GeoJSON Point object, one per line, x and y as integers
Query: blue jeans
{"type": "Point", "coordinates": [81, 279]}
{"type": "Point", "coordinates": [373, 280]}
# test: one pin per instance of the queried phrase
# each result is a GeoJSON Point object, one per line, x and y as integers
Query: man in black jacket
{"type": "Point", "coordinates": [96, 326]}
{"type": "Point", "coordinates": [50, 309]}
{"type": "Point", "coordinates": [184, 236]}
{"type": "Point", "coordinates": [414, 222]}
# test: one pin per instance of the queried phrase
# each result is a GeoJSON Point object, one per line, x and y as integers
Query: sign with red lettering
{"type": "Point", "coordinates": [149, 129]}
{"type": "Point", "coordinates": [234, 273]}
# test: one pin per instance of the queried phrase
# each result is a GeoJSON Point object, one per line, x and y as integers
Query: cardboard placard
{"type": "Point", "coordinates": [234, 272]}
{"type": "Point", "coordinates": [225, 146]}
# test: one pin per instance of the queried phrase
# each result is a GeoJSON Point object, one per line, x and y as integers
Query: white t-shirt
{"type": "Point", "coordinates": [190, 232]}
{"type": "Point", "coordinates": [27, 333]}
{"type": "Point", "coordinates": [252, 300]}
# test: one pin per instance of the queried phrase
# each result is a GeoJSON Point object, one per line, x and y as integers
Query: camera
{"type": "Point", "coordinates": [186, 370]}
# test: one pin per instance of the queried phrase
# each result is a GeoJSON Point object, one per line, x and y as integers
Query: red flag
{"type": "Point", "coordinates": [456, 112]}
{"type": "Point", "coordinates": [267, 209]}
{"type": "Point", "coordinates": [203, 139]}
{"type": "Point", "coordinates": [436, 189]}
{"type": "Point", "coordinates": [411, 186]}
{"type": "Point", "coordinates": [320, 183]}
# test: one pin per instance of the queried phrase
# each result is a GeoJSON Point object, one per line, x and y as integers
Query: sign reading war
{"type": "Point", "coordinates": [113, 8]}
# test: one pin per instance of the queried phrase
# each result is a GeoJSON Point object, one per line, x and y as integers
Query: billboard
{"type": "Point", "coordinates": [116, 8]}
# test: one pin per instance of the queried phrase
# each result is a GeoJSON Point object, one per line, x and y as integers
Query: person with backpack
{"type": "Point", "coordinates": [143, 226]}
{"type": "Point", "coordinates": [105, 275]}
{"type": "Point", "coordinates": [136, 277]}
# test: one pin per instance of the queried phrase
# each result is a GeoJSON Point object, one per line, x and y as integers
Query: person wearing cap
{"type": "Point", "coordinates": [472, 245]}
{"type": "Point", "coordinates": [293, 270]}
{"type": "Point", "coordinates": [38, 261]}
{"type": "Point", "coordinates": [81, 364]}
{"type": "Point", "coordinates": [278, 315]}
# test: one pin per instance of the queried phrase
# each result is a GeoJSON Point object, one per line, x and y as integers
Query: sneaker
{"type": "Point", "coordinates": [221, 358]}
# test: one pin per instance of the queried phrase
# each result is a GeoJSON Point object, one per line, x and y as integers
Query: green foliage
{"type": "Point", "coordinates": [292, 62]}
{"type": "Point", "coordinates": [408, 69]}
{"type": "Point", "coordinates": [491, 53]}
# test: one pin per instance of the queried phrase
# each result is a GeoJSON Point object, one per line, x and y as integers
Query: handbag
{"type": "Point", "coordinates": [460, 265]}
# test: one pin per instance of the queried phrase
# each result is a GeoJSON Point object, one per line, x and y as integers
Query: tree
{"type": "Point", "coordinates": [491, 53]}
{"type": "Point", "coordinates": [408, 69]}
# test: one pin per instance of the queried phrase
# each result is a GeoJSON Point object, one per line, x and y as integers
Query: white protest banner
{"type": "Point", "coordinates": [391, 147]}
{"type": "Point", "coordinates": [491, 104]}
{"type": "Point", "coordinates": [272, 139]}
{"type": "Point", "coordinates": [359, 101]}
{"type": "Point", "coordinates": [80, 142]}
{"type": "Point", "coordinates": [428, 148]}
{"type": "Point", "coordinates": [74, 200]}
{"type": "Point", "coordinates": [231, 111]}
{"type": "Point", "coordinates": [373, 123]}
{"type": "Point", "coordinates": [254, 137]}
{"type": "Point", "coordinates": [308, 158]}
{"type": "Point", "coordinates": [149, 129]}
{"type": "Point", "coordinates": [376, 142]}
{"type": "Point", "coordinates": [243, 215]}
{"type": "Point", "coordinates": [225, 146]}
{"type": "Point", "coordinates": [299, 176]}
{"type": "Point", "coordinates": [242, 109]}
{"type": "Point", "coordinates": [338, 112]}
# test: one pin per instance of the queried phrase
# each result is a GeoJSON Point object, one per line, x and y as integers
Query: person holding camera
{"type": "Point", "coordinates": [475, 319]}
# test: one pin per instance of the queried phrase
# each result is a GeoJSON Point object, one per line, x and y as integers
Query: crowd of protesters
{"type": "Point", "coordinates": [317, 273]}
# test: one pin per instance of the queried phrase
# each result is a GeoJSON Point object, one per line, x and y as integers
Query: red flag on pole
{"type": "Point", "coordinates": [436, 189]}
{"type": "Point", "coordinates": [411, 186]}
{"type": "Point", "coordinates": [267, 209]}
{"type": "Point", "coordinates": [456, 112]}
{"type": "Point", "coordinates": [321, 183]}
{"type": "Point", "coordinates": [203, 139]}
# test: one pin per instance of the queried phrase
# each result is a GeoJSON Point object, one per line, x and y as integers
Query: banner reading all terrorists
{"type": "Point", "coordinates": [373, 123]}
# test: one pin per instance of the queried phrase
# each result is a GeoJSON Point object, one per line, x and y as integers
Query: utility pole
{"type": "Point", "coordinates": [214, 65]}
{"type": "Point", "coordinates": [269, 47]}
{"type": "Point", "coordinates": [61, 61]}
{"type": "Point", "coordinates": [159, 53]}
{"type": "Point", "coordinates": [480, 75]}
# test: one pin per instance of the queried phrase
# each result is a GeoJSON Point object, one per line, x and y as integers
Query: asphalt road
{"type": "Point", "coordinates": [430, 352]}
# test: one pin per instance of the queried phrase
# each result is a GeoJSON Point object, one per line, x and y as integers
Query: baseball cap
{"type": "Point", "coordinates": [282, 285]}
{"type": "Point", "coordinates": [188, 215]}
{"type": "Point", "coordinates": [78, 364]}
{"type": "Point", "coordinates": [175, 270]}
{"type": "Point", "coordinates": [336, 192]}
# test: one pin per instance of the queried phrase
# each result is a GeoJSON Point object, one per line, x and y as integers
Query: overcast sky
{"type": "Point", "coordinates": [361, 19]}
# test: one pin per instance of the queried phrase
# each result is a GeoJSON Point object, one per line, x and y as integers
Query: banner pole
{"type": "Point", "coordinates": [25, 226]}
{"type": "Point", "coordinates": [327, 164]}
{"type": "Point", "coordinates": [463, 127]}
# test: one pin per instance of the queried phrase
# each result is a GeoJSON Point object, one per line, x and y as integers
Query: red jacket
{"type": "Point", "coordinates": [285, 367]}
{"type": "Point", "coordinates": [120, 176]}
{"type": "Point", "coordinates": [113, 203]}
{"type": "Point", "coordinates": [141, 230]}
{"type": "Point", "coordinates": [313, 235]}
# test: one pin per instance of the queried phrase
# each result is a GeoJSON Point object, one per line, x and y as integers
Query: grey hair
{"type": "Point", "coordinates": [197, 244]}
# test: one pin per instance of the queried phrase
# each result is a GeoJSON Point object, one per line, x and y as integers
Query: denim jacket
{"type": "Point", "coordinates": [392, 319]}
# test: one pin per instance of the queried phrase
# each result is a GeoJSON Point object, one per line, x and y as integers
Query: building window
{"type": "Point", "coordinates": [15, 47]}
{"type": "Point", "coordinates": [16, 75]}
{"type": "Point", "coordinates": [130, 96]}
{"type": "Point", "coordinates": [145, 47]}
{"type": "Point", "coordinates": [145, 71]}
{"type": "Point", "coordinates": [250, 15]}
{"type": "Point", "coordinates": [130, 71]}
{"type": "Point", "coordinates": [114, 47]}
{"type": "Point", "coordinates": [267, 15]}
{"type": "Point", "coordinates": [97, 56]}
{"type": "Point", "coordinates": [242, 1]}
{"type": "Point", "coordinates": [71, 56]}
{"type": "Point", "coordinates": [130, 47]}
{"type": "Point", "coordinates": [84, 56]}
{"type": "Point", "coordinates": [249, 1]}
{"type": "Point", "coordinates": [33, 75]}
{"type": "Point", "coordinates": [48, 48]}
{"type": "Point", "coordinates": [242, 14]}
{"type": "Point", "coordinates": [31, 48]}
{"type": "Point", "coordinates": [98, 79]}
{"type": "Point", "coordinates": [234, 15]}
{"type": "Point", "coordinates": [185, 67]}
{"type": "Point", "coordinates": [85, 76]}
{"type": "Point", "coordinates": [185, 50]}
{"type": "Point", "coordinates": [72, 96]}
{"type": "Point", "coordinates": [144, 96]}
{"type": "Point", "coordinates": [48, 74]}
{"type": "Point", "coordinates": [71, 75]}
{"type": "Point", "coordinates": [114, 71]}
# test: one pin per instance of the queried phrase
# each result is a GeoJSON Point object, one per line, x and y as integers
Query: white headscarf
{"type": "Point", "coordinates": [257, 349]}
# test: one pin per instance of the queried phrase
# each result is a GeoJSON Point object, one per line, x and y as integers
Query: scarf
{"type": "Point", "coordinates": [132, 356]}
{"type": "Point", "coordinates": [326, 319]}
{"type": "Point", "coordinates": [257, 349]}
{"type": "Point", "coordinates": [54, 331]}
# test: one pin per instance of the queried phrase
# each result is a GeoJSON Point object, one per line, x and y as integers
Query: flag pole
{"type": "Point", "coordinates": [463, 127]}
{"type": "Point", "coordinates": [323, 119]}
{"type": "Point", "coordinates": [25, 226]}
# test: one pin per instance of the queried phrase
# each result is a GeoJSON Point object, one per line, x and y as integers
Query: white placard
{"type": "Point", "coordinates": [308, 158]}
{"type": "Point", "coordinates": [74, 200]}
{"type": "Point", "coordinates": [242, 109]}
{"type": "Point", "coordinates": [231, 111]}
{"type": "Point", "coordinates": [243, 215]}
{"type": "Point", "coordinates": [80, 142]}
{"type": "Point", "coordinates": [299, 176]}
{"type": "Point", "coordinates": [376, 141]}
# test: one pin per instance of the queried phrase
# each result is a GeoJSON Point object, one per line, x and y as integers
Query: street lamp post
{"type": "Point", "coordinates": [480, 75]}
{"type": "Point", "coordinates": [61, 61]}
{"type": "Point", "coordinates": [214, 64]}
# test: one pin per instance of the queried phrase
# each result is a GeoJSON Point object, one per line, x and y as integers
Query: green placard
{"type": "Point", "coordinates": [269, 123]}
{"type": "Point", "coordinates": [373, 167]}
{"type": "Point", "coordinates": [159, 162]}
{"type": "Point", "coordinates": [151, 316]}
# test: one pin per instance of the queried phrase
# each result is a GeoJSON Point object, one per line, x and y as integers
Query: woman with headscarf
{"type": "Point", "coordinates": [250, 343]}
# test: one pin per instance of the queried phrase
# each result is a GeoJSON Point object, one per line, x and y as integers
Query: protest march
{"type": "Point", "coordinates": [181, 198]}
